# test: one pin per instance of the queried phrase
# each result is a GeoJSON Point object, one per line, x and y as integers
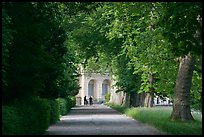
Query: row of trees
{"type": "Point", "coordinates": [39, 68]}
{"type": "Point", "coordinates": [37, 61]}
{"type": "Point", "coordinates": [150, 48]}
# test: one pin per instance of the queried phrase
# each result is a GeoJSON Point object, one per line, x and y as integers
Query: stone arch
{"type": "Point", "coordinates": [105, 88]}
{"type": "Point", "coordinates": [91, 88]}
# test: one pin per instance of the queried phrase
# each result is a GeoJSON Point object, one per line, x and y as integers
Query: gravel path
{"type": "Point", "coordinates": [99, 120]}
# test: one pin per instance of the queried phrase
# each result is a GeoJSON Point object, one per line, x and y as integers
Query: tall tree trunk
{"type": "Point", "coordinates": [149, 96]}
{"type": "Point", "coordinates": [181, 100]}
{"type": "Point", "coordinates": [126, 100]}
{"type": "Point", "coordinates": [133, 97]}
{"type": "Point", "coordinates": [142, 98]}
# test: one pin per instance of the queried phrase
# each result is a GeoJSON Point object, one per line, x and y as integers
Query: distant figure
{"type": "Point", "coordinates": [85, 101]}
{"type": "Point", "coordinates": [90, 100]}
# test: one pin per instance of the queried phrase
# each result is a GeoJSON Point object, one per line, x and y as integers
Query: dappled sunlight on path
{"type": "Point", "coordinates": [99, 120]}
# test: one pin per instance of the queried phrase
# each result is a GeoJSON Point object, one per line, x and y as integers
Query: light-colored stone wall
{"type": "Point", "coordinates": [98, 79]}
{"type": "Point", "coordinates": [116, 98]}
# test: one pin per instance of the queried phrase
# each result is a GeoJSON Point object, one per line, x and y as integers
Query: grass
{"type": "Point", "coordinates": [159, 117]}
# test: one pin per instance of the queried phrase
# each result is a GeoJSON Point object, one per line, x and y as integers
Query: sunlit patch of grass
{"type": "Point", "coordinates": [159, 117]}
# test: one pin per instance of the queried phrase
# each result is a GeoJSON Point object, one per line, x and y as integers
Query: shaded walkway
{"type": "Point", "coordinates": [99, 120]}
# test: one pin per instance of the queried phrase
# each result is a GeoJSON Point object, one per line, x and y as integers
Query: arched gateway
{"type": "Point", "coordinates": [95, 85]}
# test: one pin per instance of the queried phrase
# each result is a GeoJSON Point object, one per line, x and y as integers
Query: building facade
{"type": "Point", "coordinates": [95, 85]}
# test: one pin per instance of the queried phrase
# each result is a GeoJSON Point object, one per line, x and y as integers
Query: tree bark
{"type": "Point", "coordinates": [126, 100]}
{"type": "Point", "coordinates": [181, 100]}
{"type": "Point", "coordinates": [133, 99]}
{"type": "Point", "coordinates": [149, 96]}
{"type": "Point", "coordinates": [148, 102]}
{"type": "Point", "coordinates": [142, 98]}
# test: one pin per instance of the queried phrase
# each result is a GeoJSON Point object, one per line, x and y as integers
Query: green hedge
{"type": "Point", "coordinates": [33, 116]}
{"type": "Point", "coordinates": [62, 106]}
{"type": "Point", "coordinates": [54, 112]}
{"type": "Point", "coordinates": [71, 101]}
{"type": "Point", "coordinates": [10, 121]}
{"type": "Point", "coordinates": [26, 117]}
{"type": "Point", "coordinates": [65, 104]}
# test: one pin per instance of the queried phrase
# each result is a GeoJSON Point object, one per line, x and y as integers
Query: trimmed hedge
{"type": "Point", "coordinates": [54, 113]}
{"type": "Point", "coordinates": [33, 116]}
{"type": "Point", "coordinates": [65, 104]}
{"type": "Point", "coordinates": [10, 121]}
{"type": "Point", "coordinates": [26, 117]}
{"type": "Point", "coordinates": [62, 106]}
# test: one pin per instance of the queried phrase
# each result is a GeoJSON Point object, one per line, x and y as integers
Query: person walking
{"type": "Point", "coordinates": [85, 101]}
{"type": "Point", "coordinates": [90, 100]}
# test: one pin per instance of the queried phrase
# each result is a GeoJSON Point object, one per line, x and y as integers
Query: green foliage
{"type": "Point", "coordinates": [182, 23]}
{"type": "Point", "coordinates": [107, 96]}
{"type": "Point", "coordinates": [196, 91]}
{"type": "Point", "coordinates": [117, 107]}
{"type": "Point", "coordinates": [140, 42]}
{"type": "Point", "coordinates": [34, 114]}
{"type": "Point", "coordinates": [40, 61]}
{"type": "Point", "coordinates": [29, 117]}
{"type": "Point", "coordinates": [54, 111]}
{"type": "Point", "coordinates": [62, 106]}
{"type": "Point", "coordinates": [71, 101]}
{"type": "Point", "coordinates": [65, 104]}
{"type": "Point", "coordinates": [11, 121]}
{"type": "Point", "coordinates": [7, 39]}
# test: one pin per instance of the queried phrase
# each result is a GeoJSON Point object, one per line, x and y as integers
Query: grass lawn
{"type": "Point", "coordinates": [159, 117]}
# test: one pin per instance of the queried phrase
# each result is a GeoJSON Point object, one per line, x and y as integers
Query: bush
{"type": "Point", "coordinates": [43, 109]}
{"type": "Point", "coordinates": [71, 102]}
{"type": "Point", "coordinates": [10, 121]}
{"type": "Point", "coordinates": [26, 117]}
{"type": "Point", "coordinates": [34, 115]}
{"type": "Point", "coordinates": [62, 106]}
{"type": "Point", "coordinates": [107, 96]}
{"type": "Point", "coordinates": [54, 112]}
{"type": "Point", "coordinates": [65, 104]}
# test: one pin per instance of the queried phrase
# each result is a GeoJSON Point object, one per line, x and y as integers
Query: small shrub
{"type": "Point", "coordinates": [107, 96]}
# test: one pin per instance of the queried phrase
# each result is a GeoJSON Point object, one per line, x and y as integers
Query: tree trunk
{"type": "Point", "coordinates": [133, 97]}
{"type": "Point", "coordinates": [137, 101]}
{"type": "Point", "coordinates": [141, 99]}
{"type": "Point", "coordinates": [149, 96]}
{"type": "Point", "coordinates": [126, 101]}
{"type": "Point", "coordinates": [181, 100]}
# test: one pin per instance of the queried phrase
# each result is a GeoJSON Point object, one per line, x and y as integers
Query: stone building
{"type": "Point", "coordinates": [95, 85]}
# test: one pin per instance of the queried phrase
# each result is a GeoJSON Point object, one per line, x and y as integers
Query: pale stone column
{"type": "Point", "coordinates": [82, 88]}
{"type": "Point", "coordinates": [99, 88]}
{"type": "Point", "coordinates": [86, 82]}
{"type": "Point", "coordinates": [95, 97]}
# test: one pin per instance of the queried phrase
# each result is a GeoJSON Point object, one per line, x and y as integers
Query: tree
{"type": "Point", "coordinates": [182, 23]}
{"type": "Point", "coordinates": [40, 61]}
{"type": "Point", "coordinates": [124, 29]}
